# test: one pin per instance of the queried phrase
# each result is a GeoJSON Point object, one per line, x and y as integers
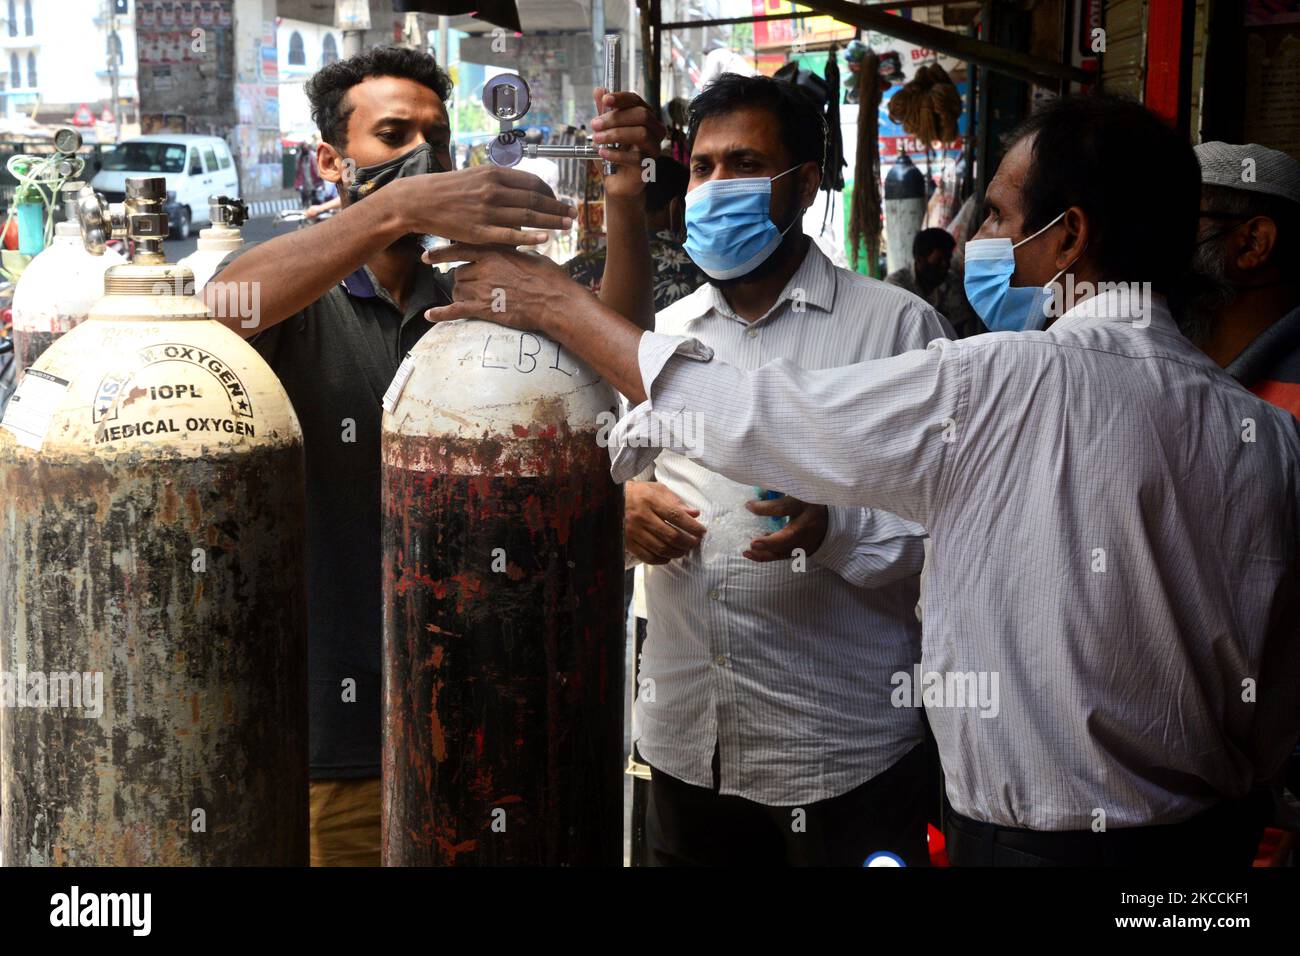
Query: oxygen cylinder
{"type": "Point", "coordinates": [152, 593]}
{"type": "Point", "coordinates": [58, 287]}
{"type": "Point", "coordinates": [904, 211]}
{"type": "Point", "coordinates": [218, 240]}
{"type": "Point", "coordinates": [503, 606]}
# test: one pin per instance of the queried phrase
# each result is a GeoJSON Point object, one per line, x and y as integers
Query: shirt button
{"type": "Point", "coordinates": [714, 595]}
{"type": "Point", "coordinates": [753, 333]}
{"type": "Point", "coordinates": [720, 660]}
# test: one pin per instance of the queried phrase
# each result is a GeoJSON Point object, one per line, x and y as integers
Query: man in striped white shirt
{"type": "Point", "coordinates": [1115, 522]}
{"type": "Point", "coordinates": [763, 705]}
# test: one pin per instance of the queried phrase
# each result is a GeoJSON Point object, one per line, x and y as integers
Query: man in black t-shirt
{"type": "Point", "coordinates": [337, 307]}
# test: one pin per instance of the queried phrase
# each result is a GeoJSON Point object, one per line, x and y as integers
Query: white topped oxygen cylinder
{"type": "Point", "coordinates": [503, 606]}
{"type": "Point", "coordinates": [217, 241]}
{"type": "Point", "coordinates": [58, 287]}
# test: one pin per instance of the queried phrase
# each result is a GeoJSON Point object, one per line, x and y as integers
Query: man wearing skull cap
{"type": "Point", "coordinates": [1246, 312]}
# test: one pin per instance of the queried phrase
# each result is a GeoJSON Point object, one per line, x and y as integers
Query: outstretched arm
{"type": "Point", "coordinates": [482, 204]}
{"type": "Point", "coordinates": [878, 433]}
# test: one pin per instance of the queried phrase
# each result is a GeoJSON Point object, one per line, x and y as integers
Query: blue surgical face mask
{"type": "Point", "coordinates": [729, 228]}
{"type": "Point", "coordinates": [1002, 307]}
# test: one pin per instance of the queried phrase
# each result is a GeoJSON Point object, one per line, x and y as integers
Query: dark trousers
{"type": "Point", "coordinates": [1223, 836]}
{"type": "Point", "coordinates": [688, 825]}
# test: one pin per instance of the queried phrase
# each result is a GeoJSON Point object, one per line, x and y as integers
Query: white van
{"type": "Point", "coordinates": [195, 168]}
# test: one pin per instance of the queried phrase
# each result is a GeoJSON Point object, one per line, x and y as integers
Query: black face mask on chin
{"type": "Point", "coordinates": [366, 179]}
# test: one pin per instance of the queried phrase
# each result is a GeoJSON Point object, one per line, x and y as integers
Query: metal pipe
{"type": "Point", "coordinates": [656, 54]}
{"type": "Point", "coordinates": [797, 15]}
{"type": "Point", "coordinates": [1022, 66]}
{"type": "Point", "coordinates": [597, 32]}
{"type": "Point", "coordinates": [1038, 70]}
{"type": "Point", "coordinates": [631, 44]}
{"type": "Point", "coordinates": [982, 119]}
{"type": "Point", "coordinates": [1067, 43]}
{"type": "Point", "coordinates": [114, 71]}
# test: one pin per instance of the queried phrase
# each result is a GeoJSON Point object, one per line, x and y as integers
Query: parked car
{"type": "Point", "coordinates": [195, 168]}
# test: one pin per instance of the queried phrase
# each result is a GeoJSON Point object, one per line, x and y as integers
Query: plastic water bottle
{"type": "Point", "coordinates": [775, 522]}
{"type": "Point", "coordinates": [29, 211]}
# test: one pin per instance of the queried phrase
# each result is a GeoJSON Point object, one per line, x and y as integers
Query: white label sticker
{"type": "Point", "coordinates": [398, 383]}
{"type": "Point", "coordinates": [33, 406]}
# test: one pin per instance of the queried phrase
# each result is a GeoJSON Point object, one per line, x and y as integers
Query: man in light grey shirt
{"type": "Point", "coordinates": [763, 706]}
{"type": "Point", "coordinates": [1115, 523]}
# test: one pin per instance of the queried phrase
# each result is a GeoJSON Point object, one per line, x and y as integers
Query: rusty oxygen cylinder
{"type": "Point", "coordinates": [152, 600]}
{"type": "Point", "coordinates": [503, 606]}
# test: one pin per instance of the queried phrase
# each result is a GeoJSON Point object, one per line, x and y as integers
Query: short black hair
{"type": "Point", "coordinates": [1095, 151]}
{"type": "Point", "coordinates": [1246, 204]}
{"type": "Point", "coordinates": [930, 240]}
{"type": "Point", "coordinates": [328, 87]}
{"type": "Point", "coordinates": [803, 130]}
{"type": "Point", "coordinates": [670, 182]}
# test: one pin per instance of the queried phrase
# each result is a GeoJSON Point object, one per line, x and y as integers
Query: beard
{"type": "Point", "coordinates": [1207, 293]}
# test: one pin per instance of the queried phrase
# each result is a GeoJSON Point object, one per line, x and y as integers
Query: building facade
{"type": "Point", "coordinates": [303, 48]}
{"type": "Point", "coordinates": [64, 59]}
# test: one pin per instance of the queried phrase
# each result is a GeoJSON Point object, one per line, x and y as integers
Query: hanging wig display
{"type": "Point", "coordinates": [928, 106]}
{"type": "Point", "coordinates": [833, 174]}
{"type": "Point", "coordinates": [864, 215]}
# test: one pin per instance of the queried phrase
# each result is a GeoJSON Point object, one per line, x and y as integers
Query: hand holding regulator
{"type": "Point", "coordinates": [506, 96]}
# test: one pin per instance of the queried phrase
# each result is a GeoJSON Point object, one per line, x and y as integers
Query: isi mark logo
{"type": "Point", "coordinates": [883, 858]}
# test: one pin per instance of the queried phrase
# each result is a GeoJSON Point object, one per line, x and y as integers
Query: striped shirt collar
{"type": "Point", "coordinates": [813, 283]}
